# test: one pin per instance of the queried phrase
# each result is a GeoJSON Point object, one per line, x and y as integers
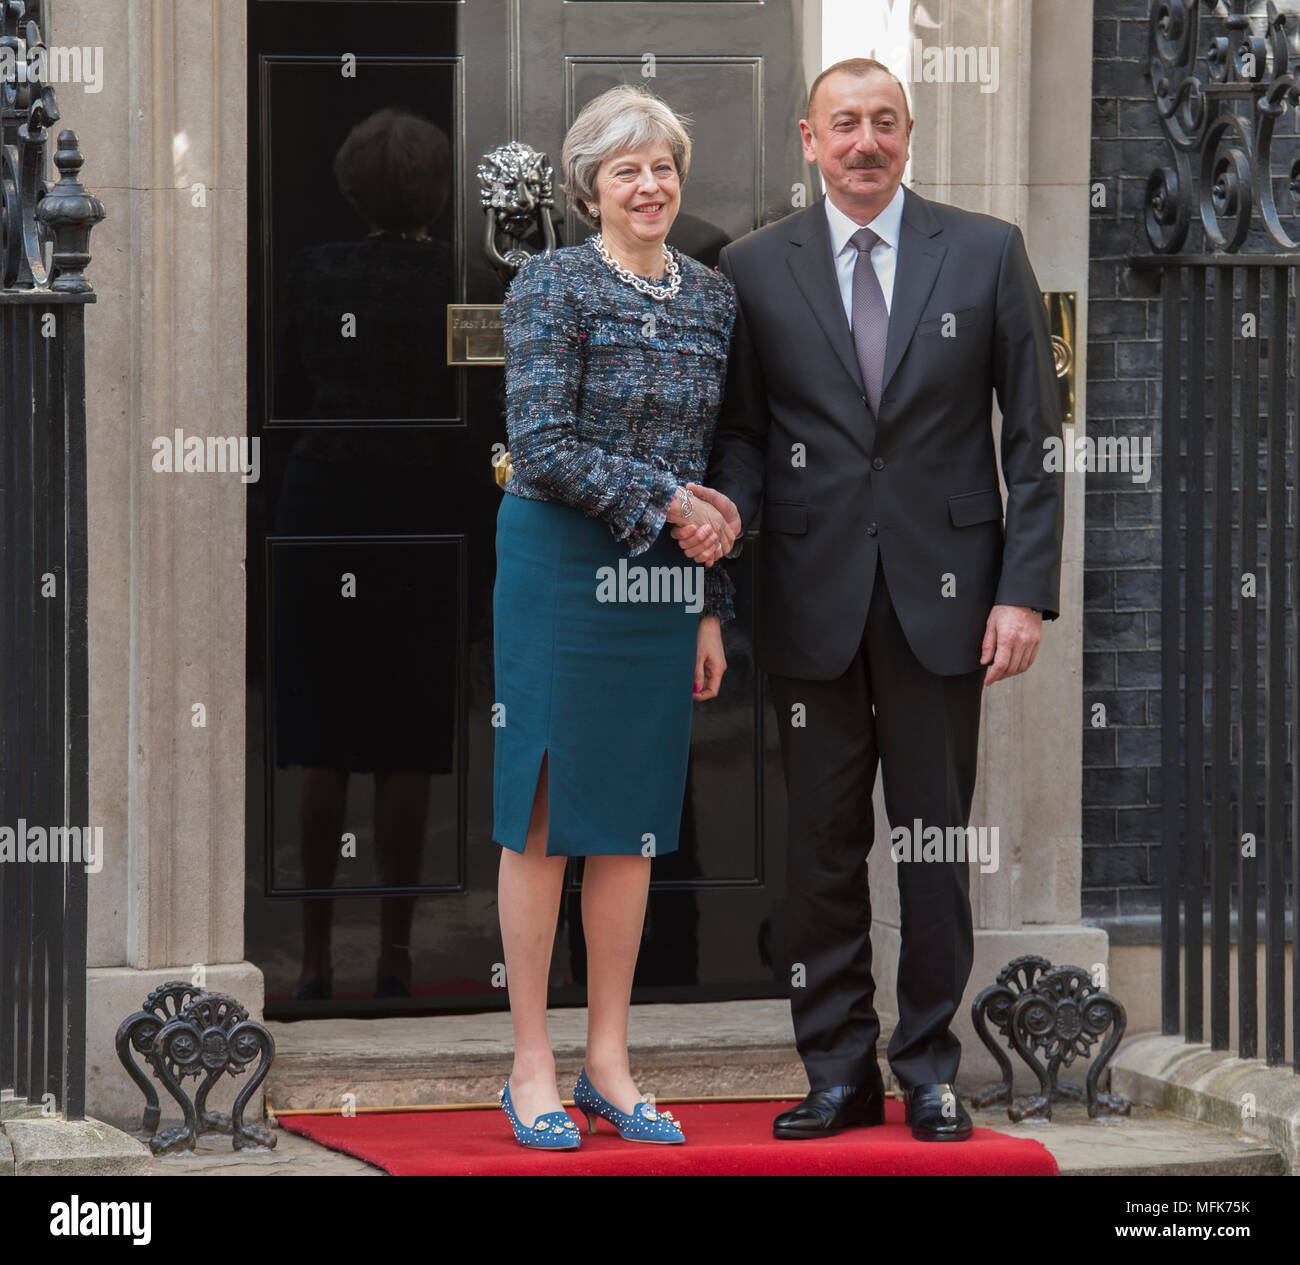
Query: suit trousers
{"type": "Point", "coordinates": [923, 730]}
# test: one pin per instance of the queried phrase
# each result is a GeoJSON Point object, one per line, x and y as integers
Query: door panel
{"type": "Point", "coordinates": [371, 531]}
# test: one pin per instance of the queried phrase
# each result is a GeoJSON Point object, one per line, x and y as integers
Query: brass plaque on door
{"type": "Point", "coordinates": [1061, 321]}
{"type": "Point", "coordinates": [475, 335]}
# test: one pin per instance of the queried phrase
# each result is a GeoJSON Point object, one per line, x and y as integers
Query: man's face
{"type": "Point", "coordinates": [858, 136]}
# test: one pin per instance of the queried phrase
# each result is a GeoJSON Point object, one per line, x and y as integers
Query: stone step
{"type": "Point", "coordinates": [738, 1047]}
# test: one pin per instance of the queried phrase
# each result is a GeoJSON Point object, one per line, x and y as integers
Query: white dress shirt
{"type": "Point", "coordinates": [884, 258]}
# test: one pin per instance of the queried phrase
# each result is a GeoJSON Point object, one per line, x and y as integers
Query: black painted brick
{"type": "Point", "coordinates": [1098, 748]}
{"type": "Point", "coordinates": [1118, 865]}
{"type": "Point", "coordinates": [1137, 589]}
{"type": "Point", "coordinates": [1098, 586]}
{"type": "Point", "coordinates": [1136, 748]}
{"type": "Point", "coordinates": [1137, 825]}
{"type": "Point", "coordinates": [1119, 318]}
{"type": "Point", "coordinates": [1139, 359]}
{"type": "Point", "coordinates": [1137, 668]}
{"type": "Point", "coordinates": [1116, 78]}
{"type": "Point", "coordinates": [1124, 788]}
{"type": "Point", "coordinates": [1099, 825]}
{"type": "Point", "coordinates": [1136, 509]}
{"type": "Point", "coordinates": [1123, 707]}
{"type": "Point", "coordinates": [1098, 671]}
{"type": "Point", "coordinates": [1134, 40]}
{"type": "Point", "coordinates": [1123, 630]}
{"type": "Point", "coordinates": [1140, 546]}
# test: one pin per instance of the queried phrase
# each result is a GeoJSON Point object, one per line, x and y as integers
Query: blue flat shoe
{"type": "Point", "coordinates": [551, 1131]}
{"type": "Point", "coordinates": [645, 1124]}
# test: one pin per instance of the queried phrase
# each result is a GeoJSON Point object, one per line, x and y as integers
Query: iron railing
{"type": "Point", "coordinates": [44, 236]}
{"type": "Point", "coordinates": [1222, 82]}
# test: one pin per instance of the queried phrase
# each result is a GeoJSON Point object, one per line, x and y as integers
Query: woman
{"type": "Point", "coordinates": [615, 360]}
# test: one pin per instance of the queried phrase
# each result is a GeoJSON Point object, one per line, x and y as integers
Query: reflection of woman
{"type": "Point", "coordinates": [615, 357]}
{"type": "Point", "coordinates": [362, 684]}
{"type": "Point", "coordinates": [363, 321]}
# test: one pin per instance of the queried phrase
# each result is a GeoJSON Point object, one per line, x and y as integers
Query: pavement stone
{"type": "Point", "coordinates": [1145, 1143]}
{"type": "Point", "coordinates": [292, 1156]}
{"type": "Point", "coordinates": [1213, 1086]}
{"type": "Point", "coordinates": [54, 1147]}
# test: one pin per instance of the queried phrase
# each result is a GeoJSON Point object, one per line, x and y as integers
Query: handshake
{"type": "Point", "coordinates": [712, 529]}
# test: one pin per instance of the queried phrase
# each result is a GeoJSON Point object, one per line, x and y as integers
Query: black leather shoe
{"type": "Point", "coordinates": [936, 1114]}
{"type": "Point", "coordinates": [826, 1111]}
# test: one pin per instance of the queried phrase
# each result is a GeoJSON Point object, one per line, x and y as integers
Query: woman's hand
{"type": "Point", "coordinates": [706, 536]}
{"type": "Point", "coordinates": [723, 504]}
{"type": "Point", "coordinates": [710, 662]}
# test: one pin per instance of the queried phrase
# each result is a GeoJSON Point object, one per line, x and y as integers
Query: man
{"type": "Point", "coordinates": [872, 330]}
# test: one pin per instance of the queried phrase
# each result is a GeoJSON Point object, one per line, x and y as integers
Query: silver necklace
{"type": "Point", "coordinates": [667, 290]}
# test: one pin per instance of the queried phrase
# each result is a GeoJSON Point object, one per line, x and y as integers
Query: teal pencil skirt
{"type": "Point", "coordinates": [595, 675]}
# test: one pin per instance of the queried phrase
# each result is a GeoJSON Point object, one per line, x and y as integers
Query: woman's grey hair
{"type": "Point", "coordinates": [621, 118]}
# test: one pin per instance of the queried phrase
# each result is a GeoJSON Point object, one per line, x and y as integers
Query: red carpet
{"type": "Point", "coordinates": [722, 1139]}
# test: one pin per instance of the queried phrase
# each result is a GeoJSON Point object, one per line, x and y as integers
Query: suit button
{"type": "Point", "coordinates": [878, 463]}
{"type": "Point", "coordinates": [871, 531]}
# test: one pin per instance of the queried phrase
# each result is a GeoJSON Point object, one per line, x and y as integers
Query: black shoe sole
{"type": "Point", "coordinates": [924, 1135]}
{"type": "Point", "coordinates": [868, 1120]}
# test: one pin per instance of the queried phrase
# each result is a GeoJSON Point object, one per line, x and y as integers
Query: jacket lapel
{"type": "Point", "coordinates": [814, 273]}
{"type": "Point", "coordinates": [916, 269]}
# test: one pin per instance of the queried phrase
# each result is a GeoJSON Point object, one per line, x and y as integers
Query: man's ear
{"type": "Point", "coordinates": [807, 136]}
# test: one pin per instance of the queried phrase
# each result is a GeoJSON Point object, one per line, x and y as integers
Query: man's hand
{"type": "Point", "coordinates": [684, 535]}
{"type": "Point", "coordinates": [1011, 639]}
{"type": "Point", "coordinates": [723, 504]}
{"type": "Point", "coordinates": [706, 538]}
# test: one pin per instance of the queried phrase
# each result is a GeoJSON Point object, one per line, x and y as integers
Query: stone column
{"type": "Point", "coordinates": [1019, 151]}
{"type": "Point", "coordinates": [165, 149]}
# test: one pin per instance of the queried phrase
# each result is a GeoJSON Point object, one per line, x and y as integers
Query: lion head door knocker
{"type": "Point", "coordinates": [516, 192]}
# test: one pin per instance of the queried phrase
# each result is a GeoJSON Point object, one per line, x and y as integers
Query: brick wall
{"type": "Point", "coordinates": [1121, 630]}
{"type": "Point", "coordinates": [1122, 548]}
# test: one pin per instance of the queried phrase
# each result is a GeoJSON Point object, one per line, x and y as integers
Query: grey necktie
{"type": "Point", "coordinates": [870, 317]}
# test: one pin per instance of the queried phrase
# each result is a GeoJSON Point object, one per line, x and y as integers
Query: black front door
{"type": "Point", "coordinates": [371, 881]}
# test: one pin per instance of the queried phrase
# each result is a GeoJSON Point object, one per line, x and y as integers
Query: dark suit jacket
{"type": "Point", "coordinates": [917, 485]}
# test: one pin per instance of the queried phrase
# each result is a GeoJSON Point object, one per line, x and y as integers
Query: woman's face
{"type": "Point", "coordinates": [639, 194]}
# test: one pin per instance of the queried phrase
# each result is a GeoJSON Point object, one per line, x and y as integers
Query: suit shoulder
{"type": "Point", "coordinates": [976, 224]}
{"type": "Point", "coordinates": [768, 235]}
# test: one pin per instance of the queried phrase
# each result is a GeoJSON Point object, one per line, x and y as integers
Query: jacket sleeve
{"type": "Point", "coordinates": [1024, 378]}
{"type": "Point", "coordinates": [737, 460]}
{"type": "Point", "coordinates": [718, 590]}
{"type": "Point", "coordinates": [544, 359]}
